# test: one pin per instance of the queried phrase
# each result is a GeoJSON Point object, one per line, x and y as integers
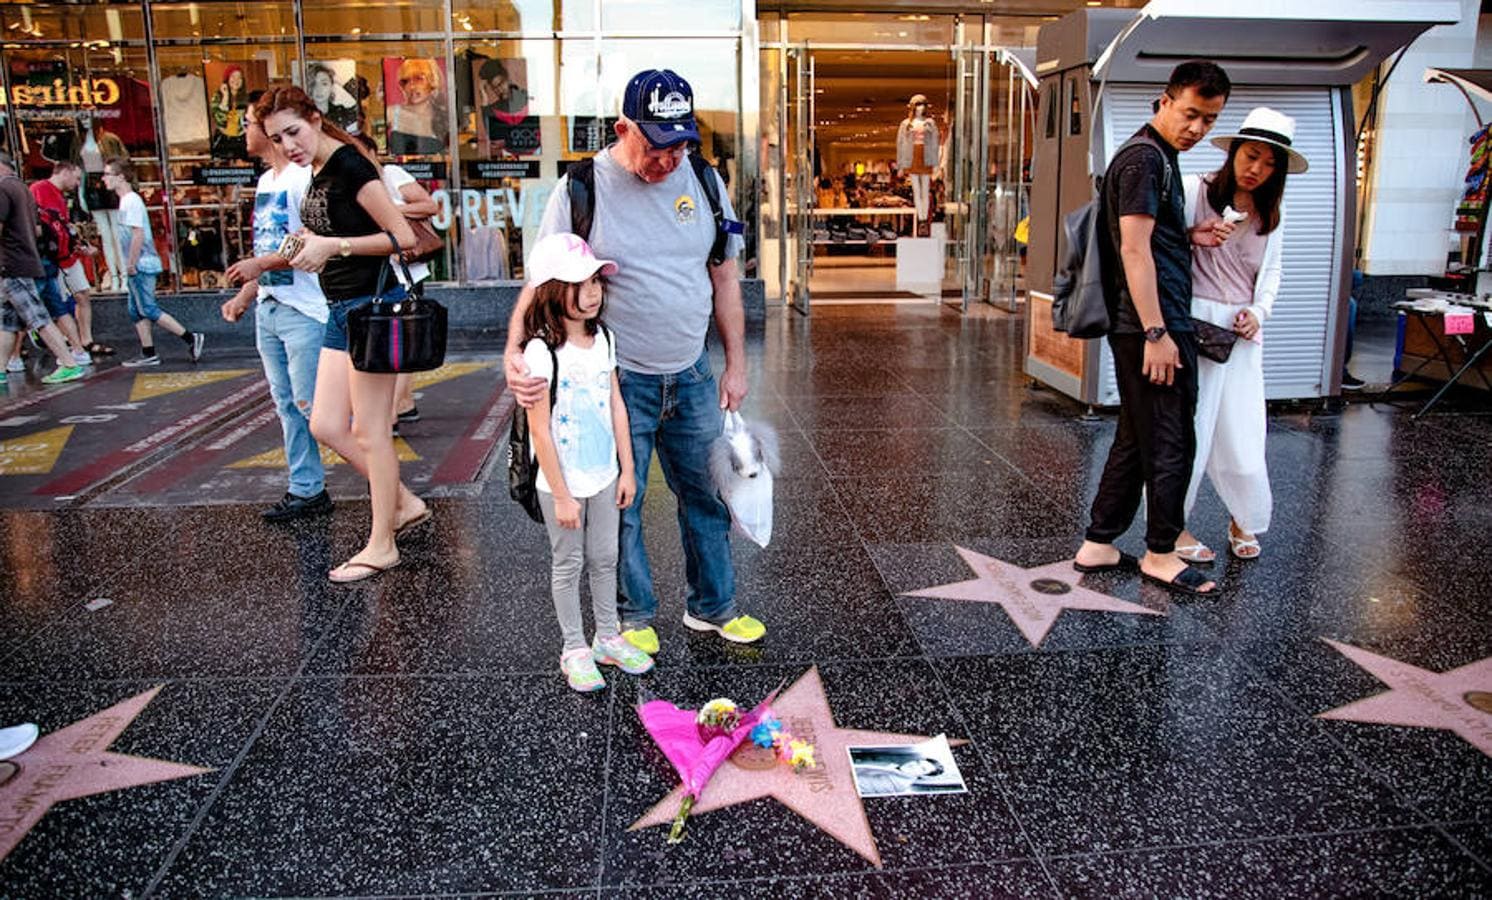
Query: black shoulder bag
{"type": "Point", "coordinates": [403, 335]}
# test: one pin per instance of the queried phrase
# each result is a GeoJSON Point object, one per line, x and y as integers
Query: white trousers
{"type": "Point", "coordinates": [1231, 426]}
{"type": "Point", "coordinates": [920, 190]}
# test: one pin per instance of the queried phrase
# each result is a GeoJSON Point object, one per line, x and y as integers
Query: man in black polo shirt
{"type": "Point", "coordinates": [1147, 267]}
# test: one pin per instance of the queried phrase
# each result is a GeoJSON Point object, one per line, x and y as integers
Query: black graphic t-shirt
{"type": "Point", "coordinates": [331, 209]}
{"type": "Point", "coordinates": [1135, 185]}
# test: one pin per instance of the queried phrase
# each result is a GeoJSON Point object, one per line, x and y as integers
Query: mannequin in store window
{"type": "Point", "coordinates": [917, 156]}
{"type": "Point", "coordinates": [102, 203]}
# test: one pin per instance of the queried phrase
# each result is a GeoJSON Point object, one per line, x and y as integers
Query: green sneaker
{"type": "Point", "coordinates": [644, 639]}
{"type": "Point", "coordinates": [740, 630]}
{"type": "Point", "coordinates": [580, 670]}
{"type": "Point", "coordinates": [618, 651]}
{"type": "Point", "coordinates": [64, 373]}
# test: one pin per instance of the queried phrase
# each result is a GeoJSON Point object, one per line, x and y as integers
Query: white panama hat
{"type": "Point", "coordinates": [1270, 127]}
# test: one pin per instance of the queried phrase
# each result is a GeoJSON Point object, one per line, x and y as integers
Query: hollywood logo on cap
{"type": "Point", "coordinates": [662, 105]}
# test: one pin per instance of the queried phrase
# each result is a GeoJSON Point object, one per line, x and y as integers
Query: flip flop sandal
{"type": "Point", "coordinates": [1188, 581]}
{"type": "Point", "coordinates": [1125, 563]}
{"type": "Point", "coordinates": [1237, 546]}
{"type": "Point", "coordinates": [361, 571]}
{"type": "Point", "coordinates": [414, 523]}
{"type": "Point", "coordinates": [1192, 553]}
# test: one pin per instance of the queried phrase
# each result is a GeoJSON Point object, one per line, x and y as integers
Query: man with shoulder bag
{"type": "Point", "coordinates": [1146, 266]}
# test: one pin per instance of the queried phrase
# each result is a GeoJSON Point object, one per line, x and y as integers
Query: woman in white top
{"type": "Point", "coordinates": [1237, 232]}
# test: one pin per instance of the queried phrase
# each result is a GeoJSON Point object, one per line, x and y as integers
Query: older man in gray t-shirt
{"type": "Point", "coordinates": [651, 216]}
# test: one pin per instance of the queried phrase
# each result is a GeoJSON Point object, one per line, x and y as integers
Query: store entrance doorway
{"type": "Point", "coordinates": [869, 199]}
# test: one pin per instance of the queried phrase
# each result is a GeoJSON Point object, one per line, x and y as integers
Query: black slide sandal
{"type": "Point", "coordinates": [1126, 563]}
{"type": "Point", "coordinates": [1188, 581]}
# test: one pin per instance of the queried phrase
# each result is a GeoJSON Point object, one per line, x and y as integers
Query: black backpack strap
{"type": "Point", "coordinates": [580, 179]}
{"type": "Point", "coordinates": [1165, 162]}
{"type": "Point", "coordinates": [724, 227]}
{"type": "Point", "coordinates": [553, 376]}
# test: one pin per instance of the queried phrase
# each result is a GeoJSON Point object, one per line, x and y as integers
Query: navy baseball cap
{"type": "Point", "coordinates": [662, 105]}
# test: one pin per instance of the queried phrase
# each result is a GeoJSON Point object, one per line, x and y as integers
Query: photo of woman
{"type": "Point", "coordinates": [414, 90]}
{"type": "Point", "coordinates": [925, 768]}
{"type": "Point", "coordinates": [228, 87]}
{"type": "Point", "coordinates": [326, 83]}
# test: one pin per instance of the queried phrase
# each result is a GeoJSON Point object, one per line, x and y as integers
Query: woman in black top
{"type": "Point", "coordinates": [348, 219]}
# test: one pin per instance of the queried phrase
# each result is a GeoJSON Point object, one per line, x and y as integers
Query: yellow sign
{"type": "Point", "coordinates": [86, 92]}
{"type": "Point", "coordinates": [275, 459]}
{"type": "Point", "coordinates": [33, 454]}
{"type": "Point", "coordinates": [158, 384]}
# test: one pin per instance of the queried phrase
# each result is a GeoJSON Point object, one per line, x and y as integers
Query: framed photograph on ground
{"type": "Point", "coordinates": [228, 87]}
{"type": "Point", "coordinates": [414, 92]}
{"type": "Point", "coordinates": [505, 126]}
{"type": "Point", "coordinates": [909, 769]}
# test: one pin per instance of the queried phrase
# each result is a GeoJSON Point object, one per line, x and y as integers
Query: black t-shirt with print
{"type": "Point", "coordinates": [1134, 185]}
{"type": "Point", "coordinates": [331, 209]}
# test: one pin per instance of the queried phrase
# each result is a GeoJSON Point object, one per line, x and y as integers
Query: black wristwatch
{"type": "Point", "coordinates": [1154, 334]}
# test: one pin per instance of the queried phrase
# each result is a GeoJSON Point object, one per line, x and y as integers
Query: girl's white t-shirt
{"type": "Point", "coordinates": [580, 420]}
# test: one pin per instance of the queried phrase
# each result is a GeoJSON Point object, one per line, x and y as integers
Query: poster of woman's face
{"type": "Point", "coordinates": [228, 87]}
{"type": "Point", "coordinates": [330, 83]}
{"type": "Point", "coordinates": [414, 91]}
{"type": "Point", "coordinates": [504, 125]}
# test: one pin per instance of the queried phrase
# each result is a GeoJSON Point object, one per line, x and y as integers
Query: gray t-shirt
{"type": "Point", "coordinates": [659, 302]}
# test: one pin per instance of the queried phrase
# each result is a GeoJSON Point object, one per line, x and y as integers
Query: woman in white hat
{"type": "Point", "coordinates": [1237, 228]}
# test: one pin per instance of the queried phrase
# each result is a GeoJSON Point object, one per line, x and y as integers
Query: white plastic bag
{"type": "Point", "coordinates": [743, 461]}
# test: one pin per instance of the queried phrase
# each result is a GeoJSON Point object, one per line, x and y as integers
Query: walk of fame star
{"type": "Point", "coordinates": [1033, 598]}
{"type": "Point", "coordinates": [824, 795]}
{"type": "Point", "coordinates": [75, 762]}
{"type": "Point", "coordinates": [1455, 700]}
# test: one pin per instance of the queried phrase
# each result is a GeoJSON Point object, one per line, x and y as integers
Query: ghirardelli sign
{"type": "Point", "coordinates": [82, 92]}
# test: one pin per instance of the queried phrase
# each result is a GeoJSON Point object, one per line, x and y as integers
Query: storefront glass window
{"type": "Point", "coordinates": [523, 16]}
{"type": "Point", "coordinates": [870, 28]}
{"type": "Point", "coordinates": [103, 108]}
{"type": "Point", "coordinates": [72, 22]}
{"type": "Point", "coordinates": [670, 15]}
{"type": "Point", "coordinates": [243, 21]}
{"type": "Point", "coordinates": [380, 17]}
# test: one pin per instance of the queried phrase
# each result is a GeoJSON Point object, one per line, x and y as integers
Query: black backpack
{"type": "Point", "coordinates": [523, 468]}
{"type": "Point", "coordinates": [1079, 306]}
{"type": "Point", "coordinates": [51, 236]}
{"type": "Point", "coordinates": [581, 178]}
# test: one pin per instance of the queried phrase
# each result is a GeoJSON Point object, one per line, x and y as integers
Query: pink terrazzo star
{"type": "Point", "coordinates": [1456, 700]}
{"type": "Point", "coordinates": [1033, 611]}
{"type": "Point", "coordinates": [75, 762]}
{"type": "Point", "coordinates": [824, 795]}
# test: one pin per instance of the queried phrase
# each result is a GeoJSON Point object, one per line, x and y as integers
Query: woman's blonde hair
{"type": "Point", "coordinates": [414, 68]}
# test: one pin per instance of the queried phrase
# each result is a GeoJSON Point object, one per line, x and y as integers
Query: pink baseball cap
{"type": "Point", "coordinates": [565, 257]}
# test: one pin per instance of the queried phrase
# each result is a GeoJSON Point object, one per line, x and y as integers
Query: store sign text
{"type": "Point", "coordinates": [490, 208]}
{"type": "Point", "coordinates": [88, 92]}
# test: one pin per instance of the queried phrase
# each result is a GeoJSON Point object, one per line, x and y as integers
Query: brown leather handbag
{"type": "Point", "coordinates": [427, 244]}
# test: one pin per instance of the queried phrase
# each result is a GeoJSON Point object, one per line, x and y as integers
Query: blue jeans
{"type": "Point", "coordinates": [49, 286]}
{"type": "Point", "coordinates": [679, 415]}
{"type": "Point", "coordinates": [289, 343]}
{"type": "Point", "coordinates": [140, 301]}
{"type": "Point", "coordinates": [335, 337]}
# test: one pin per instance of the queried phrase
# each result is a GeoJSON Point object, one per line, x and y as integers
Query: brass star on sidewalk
{"type": "Point", "coordinates": [824, 795]}
{"type": "Point", "coordinates": [1455, 700]}
{"type": "Point", "coordinates": [75, 762]}
{"type": "Point", "coordinates": [1033, 598]}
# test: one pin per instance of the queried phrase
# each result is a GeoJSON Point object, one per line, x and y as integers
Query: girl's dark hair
{"type": "Point", "coordinates": [293, 99]}
{"type": "Point", "coordinates": [545, 317]}
{"type": "Point", "coordinates": [1223, 183]}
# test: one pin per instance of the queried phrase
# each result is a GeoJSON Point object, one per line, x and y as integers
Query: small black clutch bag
{"type": "Point", "coordinates": [1213, 342]}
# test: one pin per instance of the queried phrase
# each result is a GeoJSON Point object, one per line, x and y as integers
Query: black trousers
{"type": "Point", "coordinates": [1153, 448]}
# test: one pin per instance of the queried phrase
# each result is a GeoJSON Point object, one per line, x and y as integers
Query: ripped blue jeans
{"type": "Point", "coordinates": [289, 343]}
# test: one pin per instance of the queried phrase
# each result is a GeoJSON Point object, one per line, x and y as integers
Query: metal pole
{"type": "Point", "coordinates": [159, 117]}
